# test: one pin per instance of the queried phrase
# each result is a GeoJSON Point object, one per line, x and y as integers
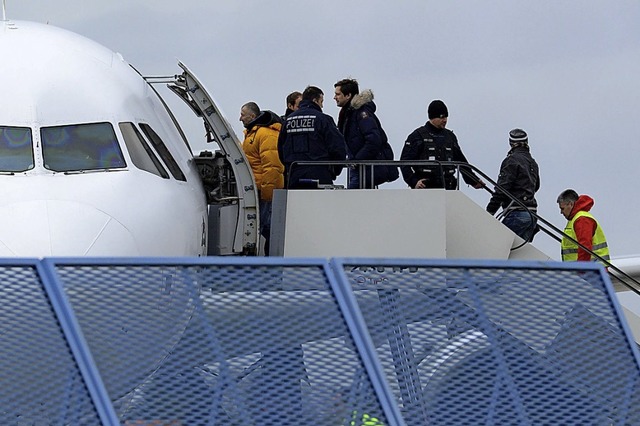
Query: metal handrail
{"type": "Point", "coordinates": [561, 234]}
{"type": "Point", "coordinates": [635, 287]}
{"type": "Point", "coordinates": [362, 164]}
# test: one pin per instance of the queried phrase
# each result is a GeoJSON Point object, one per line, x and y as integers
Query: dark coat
{"type": "Point", "coordinates": [520, 176]}
{"type": "Point", "coordinates": [310, 135]}
{"type": "Point", "coordinates": [362, 133]}
{"type": "Point", "coordinates": [445, 148]}
{"type": "Point", "coordinates": [366, 140]}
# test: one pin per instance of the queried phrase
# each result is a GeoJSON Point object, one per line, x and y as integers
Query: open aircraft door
{"type": "Point", "coordinates": [228, 180]}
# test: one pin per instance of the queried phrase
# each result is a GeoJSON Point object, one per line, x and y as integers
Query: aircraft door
{"type": "Point", "coordinates": [228, 180]}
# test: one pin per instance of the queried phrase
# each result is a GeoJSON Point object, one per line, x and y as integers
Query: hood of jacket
{"type": "Point", "coordinates": [518, 148]}
{"type": "Point", "coordinates": [363, 101]}
{"type": "Point", "coordinates": [363, 98]}
{"type": "Point", "coordinates": [583, 203]}
{"type": "Point", "coordinates": [265, 119]}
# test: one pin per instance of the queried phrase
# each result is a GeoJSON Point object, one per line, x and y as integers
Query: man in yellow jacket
{"type": "Point", "coordinates": [261, 148]}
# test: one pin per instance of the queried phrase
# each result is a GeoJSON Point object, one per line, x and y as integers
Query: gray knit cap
{"type": "Point", "coordinates": [518, 137]}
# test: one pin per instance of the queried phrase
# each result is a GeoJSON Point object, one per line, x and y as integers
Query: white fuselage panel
{"type": "Point", "coordinates": [57, 78]}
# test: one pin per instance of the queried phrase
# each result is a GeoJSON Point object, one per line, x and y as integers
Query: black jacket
{"type": "Point", "coordinates": [519, 175]}
{"type": "Point", "coordinates": [430, 143]}
{"type": "Point", "coordinates": [310, 135]}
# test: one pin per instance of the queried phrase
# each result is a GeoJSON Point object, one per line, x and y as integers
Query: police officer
{"type": "Point", "coordinates": [293, 103]}
{"type": "Point", "coordinates": [434, 141]}
{"type": "Point", "coordinates": [310, 135]}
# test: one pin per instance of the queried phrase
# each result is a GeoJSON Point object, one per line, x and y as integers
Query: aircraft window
{"type": "Point", "coordinates": [164, 153]}
{"type": "Point", "coordinates": [141, 154]}
{"type": "Point", "coordinates": [81, 147]}
{"type": "Point", "coordinates": [16, 149]}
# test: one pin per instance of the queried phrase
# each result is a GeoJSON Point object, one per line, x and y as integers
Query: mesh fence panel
{"type": "Point", "coordinates": [40, 382]}
{"type": "Point", "coordinates": [221, 344]}
{"type": "Point", "coordinates": [250, 341]}
{"type": "Point", "coordinates": [496, 346]}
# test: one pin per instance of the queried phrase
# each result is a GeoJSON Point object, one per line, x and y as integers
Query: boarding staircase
{"type": "Point", "coordinates": [436, 223]}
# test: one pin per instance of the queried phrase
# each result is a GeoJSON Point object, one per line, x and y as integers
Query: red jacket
{"type": "Point", "coordinates": [585, 227]}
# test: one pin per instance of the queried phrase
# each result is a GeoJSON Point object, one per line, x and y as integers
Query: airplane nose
{"type": "Point", "coordinates": [40, 228]}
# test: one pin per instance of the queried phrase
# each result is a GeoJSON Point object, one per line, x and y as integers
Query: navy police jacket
{"type": "Point", "coordinates": [430, 143]}
{"type": "Point", "coordinates": [310, 135]}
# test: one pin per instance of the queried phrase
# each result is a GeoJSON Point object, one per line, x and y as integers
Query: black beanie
{"type": "Point", "coordinates": [518, 137]}
{"type": "Point", "coordinates": [437, 109]}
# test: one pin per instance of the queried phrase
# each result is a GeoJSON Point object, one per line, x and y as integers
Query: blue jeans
{"type": "Point", "coordinates": [522, 223]}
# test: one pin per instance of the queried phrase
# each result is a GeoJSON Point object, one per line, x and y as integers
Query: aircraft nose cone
{"type": "Point", "coordinates": [61, 228]}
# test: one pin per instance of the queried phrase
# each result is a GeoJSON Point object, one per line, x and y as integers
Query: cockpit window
{"type": "Point", "coordinates": [141, 153]}
{"type": "Point", "coordinates": [16, 149]}
{"type": "Point", "coordinates": [163, 152]}
{"type": "Point", "coordinates": [81, 147]}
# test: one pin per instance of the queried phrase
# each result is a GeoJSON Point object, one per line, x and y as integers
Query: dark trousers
{"type": "Point", "coordinates": [265, 224]}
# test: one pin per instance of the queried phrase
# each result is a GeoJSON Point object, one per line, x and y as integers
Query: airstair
{"type": "Point", "coordinates": [431, 224]}
{"type": "Point", "coordinates": [396, 223]}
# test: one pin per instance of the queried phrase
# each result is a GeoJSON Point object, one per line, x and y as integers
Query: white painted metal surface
{"type": "Point", "coordinates": [390, 223]}
{"type": "Point", "coordinates": [53, 77]}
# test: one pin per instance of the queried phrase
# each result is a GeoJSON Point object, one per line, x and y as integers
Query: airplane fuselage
{"type": "Point", "coordinates": [91, 162]}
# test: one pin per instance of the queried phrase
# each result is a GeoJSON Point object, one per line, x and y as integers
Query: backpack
{"type": "Point", "coordinates": [387, 173]}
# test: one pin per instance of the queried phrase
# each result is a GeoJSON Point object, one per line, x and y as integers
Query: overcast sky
{"type": "Point", "coordinates": [565, 71]}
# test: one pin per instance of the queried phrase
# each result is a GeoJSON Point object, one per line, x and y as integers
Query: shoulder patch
{"type": "Point", "coordinates": [364, 114]}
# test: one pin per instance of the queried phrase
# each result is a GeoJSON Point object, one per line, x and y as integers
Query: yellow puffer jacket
{"type": "Point", "coordinates": [261, 148]}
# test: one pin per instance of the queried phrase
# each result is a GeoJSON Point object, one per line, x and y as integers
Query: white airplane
{"type": "Point", "coordinates": [93, 163]}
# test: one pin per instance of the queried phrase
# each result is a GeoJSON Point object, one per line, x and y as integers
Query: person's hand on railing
{"type": "Point", "coordinates": [420, 184]}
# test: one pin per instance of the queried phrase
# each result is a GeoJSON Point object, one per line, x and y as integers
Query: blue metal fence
{"type": "Point", "coordinates": [41, 380]}
{"type": "Point", "coordinates": [272, 341]}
